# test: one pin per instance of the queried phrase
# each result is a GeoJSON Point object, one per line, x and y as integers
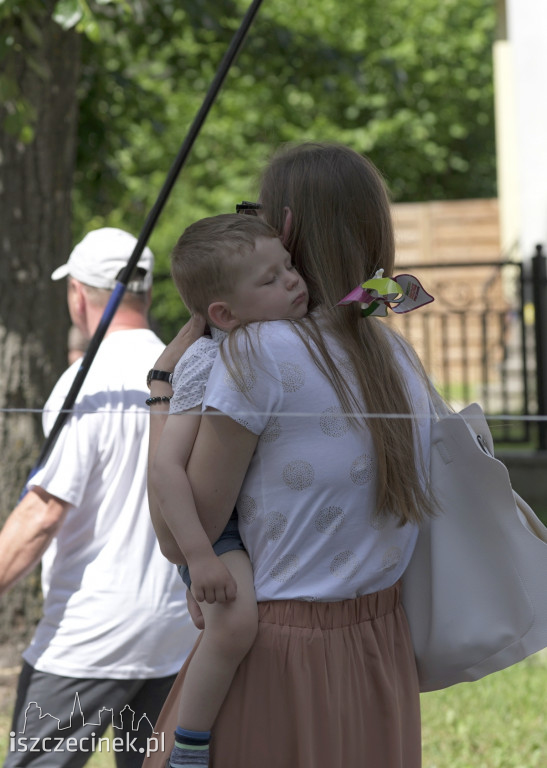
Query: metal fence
{"type": "Point", "coordinates": [484, 339]}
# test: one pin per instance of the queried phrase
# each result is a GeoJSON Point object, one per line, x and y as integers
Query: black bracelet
{"type": "Point", "coordinates": [155, 400]}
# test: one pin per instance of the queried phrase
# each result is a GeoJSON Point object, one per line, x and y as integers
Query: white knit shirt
{"type": "Point", "coordinates": [192, 372]}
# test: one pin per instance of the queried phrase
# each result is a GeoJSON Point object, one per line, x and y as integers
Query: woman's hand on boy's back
{"type": "Point", "coordinates": [212, 582]}
{"type": "Point", "coordinates": [188, 334]}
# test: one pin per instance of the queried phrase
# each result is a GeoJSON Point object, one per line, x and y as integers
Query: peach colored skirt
{"type": "Point", "coordinates": [326, 685]}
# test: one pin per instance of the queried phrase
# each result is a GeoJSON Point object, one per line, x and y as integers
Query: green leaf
{"type": "Point", "coordinates": [68, 13]}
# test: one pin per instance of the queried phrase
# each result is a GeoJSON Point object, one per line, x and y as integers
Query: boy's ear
{"type": "Point", "coordinates": [221, 315]}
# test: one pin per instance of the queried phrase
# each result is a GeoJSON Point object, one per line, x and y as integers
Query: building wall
{"type": "Point", "coordinates": [521, 96]}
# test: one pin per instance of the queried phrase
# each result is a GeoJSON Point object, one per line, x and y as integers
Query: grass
{"type": "Point", "coordinates": [497, 722]}
{"type": "Point", "coordinates": [541, 512]}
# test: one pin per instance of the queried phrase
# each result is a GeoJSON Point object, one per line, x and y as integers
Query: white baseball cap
{"type": "Point", "coordinates": [99, 258]}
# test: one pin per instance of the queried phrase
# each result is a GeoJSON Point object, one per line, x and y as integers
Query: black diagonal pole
{"type": "Point", "coordinates": [119, 290]}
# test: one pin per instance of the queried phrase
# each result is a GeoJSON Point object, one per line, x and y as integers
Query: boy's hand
{"type": "Point", "coordinates": [212, 582]}
{"type": "Point", "coordinates": [194, 610]}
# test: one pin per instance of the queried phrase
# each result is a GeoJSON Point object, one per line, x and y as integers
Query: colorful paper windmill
{"type": "Point", "coordinates": [401, 294]}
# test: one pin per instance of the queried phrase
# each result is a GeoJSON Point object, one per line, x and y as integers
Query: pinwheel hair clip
{"type": "Point", "coordinates": [401, 294]}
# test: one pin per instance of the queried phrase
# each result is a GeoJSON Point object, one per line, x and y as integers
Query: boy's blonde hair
{"type": "Point", "coordinates": [206, 262]}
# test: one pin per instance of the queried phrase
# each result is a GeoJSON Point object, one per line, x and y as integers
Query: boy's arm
{"type": "Point", "coordinates": [211, 580]}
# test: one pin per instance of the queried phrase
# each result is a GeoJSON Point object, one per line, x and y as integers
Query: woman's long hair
{"type": "Point", "coordinates": [341, 233]}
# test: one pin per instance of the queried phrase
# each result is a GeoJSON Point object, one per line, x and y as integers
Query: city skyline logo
{"type": "Point", "coordinates": [87, 739]}
{"type": "Point", "coordinates": [77, 711]}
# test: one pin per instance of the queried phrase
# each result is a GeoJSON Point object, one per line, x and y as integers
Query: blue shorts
{"type": "Point", "coordinates": [228, 541]}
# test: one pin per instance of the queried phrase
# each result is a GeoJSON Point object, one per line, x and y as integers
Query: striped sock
{"type": "Point", "coordinates": [191, 748]}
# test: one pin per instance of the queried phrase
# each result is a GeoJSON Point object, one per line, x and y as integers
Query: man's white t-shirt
{"type": "Point", "coordinates": [307, 507]}
{"type": "Point", "coordinates": [114, 607]}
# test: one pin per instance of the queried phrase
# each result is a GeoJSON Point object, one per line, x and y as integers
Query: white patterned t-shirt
{"type": "Point", "coordinates": [192, 372]}
{"type": "Point", "coordinates": [307, 504]}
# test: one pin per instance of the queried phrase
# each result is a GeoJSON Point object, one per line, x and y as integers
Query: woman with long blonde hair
{"type": "Point", "coordinates": [317, 431]}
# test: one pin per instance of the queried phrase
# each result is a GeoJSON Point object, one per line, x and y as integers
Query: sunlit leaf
{"type": "Point", "coordinates": [68, 13]}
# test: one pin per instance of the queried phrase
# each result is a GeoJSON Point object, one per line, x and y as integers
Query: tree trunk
{"type": "Point", "coordinates": [35, 237]}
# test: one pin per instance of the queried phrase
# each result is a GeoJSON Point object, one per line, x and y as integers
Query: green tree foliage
{"type": "Point", "coordinates": [409, 84]}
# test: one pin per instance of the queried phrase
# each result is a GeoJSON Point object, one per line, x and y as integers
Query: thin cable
{"type": "Point", "coordinates": [498, 417]}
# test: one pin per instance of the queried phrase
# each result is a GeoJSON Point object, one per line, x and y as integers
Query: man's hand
{"type": "Point", "coordinates": [212, 582]}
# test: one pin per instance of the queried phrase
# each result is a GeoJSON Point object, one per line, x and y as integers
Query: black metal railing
{"type": "Point", "coordinates": [484, 339]}
{"type": "Point", "coordinates": [539, 294]}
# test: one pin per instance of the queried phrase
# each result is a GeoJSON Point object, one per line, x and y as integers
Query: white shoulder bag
{"type": "Point", "coordinates": [475, 592]}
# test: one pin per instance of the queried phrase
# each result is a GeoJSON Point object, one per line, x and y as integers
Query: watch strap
{"type": "Point", "coordinates": [155, 375]}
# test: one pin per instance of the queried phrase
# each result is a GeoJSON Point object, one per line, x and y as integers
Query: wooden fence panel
{"type": "Point", "coordinates": [463, 337]}
{"type": "Point", "coordinates": [455, 230]}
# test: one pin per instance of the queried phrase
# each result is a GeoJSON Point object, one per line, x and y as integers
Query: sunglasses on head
{"type": "Point", "coordinates": [250, 209]}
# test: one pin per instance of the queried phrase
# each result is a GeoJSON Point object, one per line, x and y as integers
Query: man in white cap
{"type": "Point", "coordinates": [115, 628]}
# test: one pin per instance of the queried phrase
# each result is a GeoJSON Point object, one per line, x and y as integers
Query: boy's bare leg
{"type": "Point", "coordinates": [230, 630]}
